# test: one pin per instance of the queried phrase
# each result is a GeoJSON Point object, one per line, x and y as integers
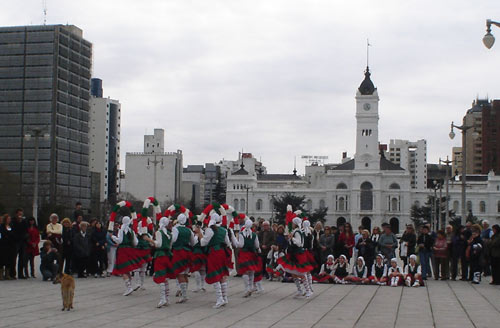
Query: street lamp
{"type": "Point", "coordinates": [435, 222]}
{"type": "Point", "coordinates": [36, 133]}
{"type": "Point", "coordinates": [464, 129]}
{"type": "Point", "coordinates": [488, 38]}
{"type": "Point", "coordinates": [447, 162]}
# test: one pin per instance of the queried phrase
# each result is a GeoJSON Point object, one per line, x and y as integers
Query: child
{"type": "Point", "coordinates": [340, 271]}
{"type": "Point", "coordinates": [326, 271]}
{"type": "Point", "coordinates": [359, 272]}
{"type": "Point", "coordinates": [413, 273]}
{"type": "Point", "coordinates": [379, 271]}
{"type": "Point", "coordinates": [395, 273]}
{"type": "Point", "coordinates": [272, 262]}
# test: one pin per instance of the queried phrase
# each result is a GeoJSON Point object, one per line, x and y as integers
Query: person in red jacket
{"type": "Point", "coordinates": [32, 249]}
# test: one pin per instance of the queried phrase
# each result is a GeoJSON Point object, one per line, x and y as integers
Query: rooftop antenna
{"type": "Point", "coordinates": [44, 3]}
{"type": "Point", "coordinates": [294, 165]}
{"type": "Point", "coordinates": [368, 45]}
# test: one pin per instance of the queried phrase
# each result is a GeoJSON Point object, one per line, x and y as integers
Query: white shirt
{"type": "Point", "coordinates": [119, 239]}
{"type": "Point", "coordinates": [207, 236]}
{"type": "Point", "coordinates": [240, 242]}
{"type": "Point", "coordinates": [175, 235]}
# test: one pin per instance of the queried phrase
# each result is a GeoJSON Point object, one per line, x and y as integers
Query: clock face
{"type": "Point", "coordinates": [366, 106]}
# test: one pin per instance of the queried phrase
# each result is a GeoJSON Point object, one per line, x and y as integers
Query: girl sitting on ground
{"type": "Point", "coordinates": [359, 272]}
{"type": "Point", "coordinates": [325, 274]}
{"type": "Point", "coordinates": [413, 273]}
{"type": "Point", "coordinates": [394, 274]}
{"type": "Point", "coordinates": [379, 271]}
{"type": "Point", "coordinates": [340, 272]}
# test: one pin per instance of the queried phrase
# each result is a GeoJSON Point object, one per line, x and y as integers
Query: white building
{"type": "Point", "coordinates": [104, 144]}
{"type": "Point", "coordinates": [412, 156]}
{"type": "Point", "coordinates": [368, 190]}
{"type": "Point", "coordinates": [154, 173]}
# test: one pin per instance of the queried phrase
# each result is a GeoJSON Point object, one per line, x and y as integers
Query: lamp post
{"type": "Point", "coordinates": [435, 223]}
{"type": "Point", "coordinates": [488, 38]}
{"type": "Point", "coordinates": [247, 188]}
{"type": "Point", "coordinates": [464, 128]}
{"type": "Point", "coordinates": [36, 133]}
{"type": "Point", "coordinates": [447, 162]}
{"type": "Point", "coordinates": [155, 162]}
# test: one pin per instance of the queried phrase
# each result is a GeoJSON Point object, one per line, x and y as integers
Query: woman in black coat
{"type": "Point", "coordinates": [407, 244]}
{"type": "Point", "coordinates": [99, 244]}
{"type": "Point", "coordinates": [7, 248]}
{"type": "Point", "coordinates": [67, 247]}
{"type": "Point", "coordinates": [81, 249]}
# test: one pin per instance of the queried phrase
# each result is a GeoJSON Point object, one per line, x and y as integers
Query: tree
{"type": "Point", "coordinates": [280, 203]}
{"type": "Point", "coordinates": [422, 214]}
{"type": "Point", "coordinates": [319, 214]}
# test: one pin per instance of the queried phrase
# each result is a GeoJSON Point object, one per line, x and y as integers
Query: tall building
{"type": "Point", "coordinates": [457, 162]}
{"type": "Point", "coordinates": [45, 84]}
{"type": "Point", "coordinates": [491, 138]}
{"type": "Point", "coordinates": [411, 156]}
{"type": "Point", "coordinates": [154, 172]}
{"type": "Point", "coordinates": [474, 118]}
{"type": "Point", "coordinates": [104, 135]}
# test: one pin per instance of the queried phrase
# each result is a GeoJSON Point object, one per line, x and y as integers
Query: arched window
{"type": "Point", "coordinates": [341, 204]}
{"type": "Point", "coordinates": [322, 204]}
{"type": "Point", "coordinates": [394, 204]}
{"type": "Point", "coordinates": [394, 186]}
{"type": "Point", "coordinates": [394, 222]}
{"type": "Point", "coordinates": [341, 186]}
{"type": "Point", "coordinates": [258, 205]}
{"type": "Point", "coordinates": [340, 221]}
{"type": "Point", "coordinates": [455, 206]}
{"type": "Point", "coordinates": [498, 206]}
{"type": "Point", "coordinates": [482, 207]}
{"type": "Point", "coordinates": [469, 206]}
{"type": "Point", "coordinates": [236, 204]}
{"type": "Point", "coordinates": [309, 205]}
{"type": "Point", "coordinates": [242, 205]}
{"type": "Point", "coordinates": [366, 222]}
{"type": "Point", "coordinates": [271, 204]}
{"type": "Point", "coordinates": [366, 198]}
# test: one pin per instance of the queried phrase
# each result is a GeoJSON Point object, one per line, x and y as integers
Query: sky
{"type": "Point", "coordinates": [278, 78]}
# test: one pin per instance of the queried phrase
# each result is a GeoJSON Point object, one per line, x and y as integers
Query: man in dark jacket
{"type": "Point", "coordinates": [425, 243]}
{"type": "Point", "coordinates": [20, 229]}
{"type": "Point", "coordinates": [81, 249]}
{"type": "Point", "coordinates": [366, 249]}
{"type": "Point", "coordinates": [266, 240]}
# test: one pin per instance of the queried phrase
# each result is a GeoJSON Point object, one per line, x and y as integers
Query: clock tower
{"type": "Point", "coordinates": [367, 147]}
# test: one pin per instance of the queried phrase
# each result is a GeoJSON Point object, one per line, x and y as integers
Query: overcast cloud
{"type": "Point", "coordinates": [278, 77]}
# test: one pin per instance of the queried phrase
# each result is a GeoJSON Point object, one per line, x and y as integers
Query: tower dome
{"type": "Point", "coordinates": [366, 87]}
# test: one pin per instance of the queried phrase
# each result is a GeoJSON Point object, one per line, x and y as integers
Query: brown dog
{"type": "Point", "coordinates": [67, 290]}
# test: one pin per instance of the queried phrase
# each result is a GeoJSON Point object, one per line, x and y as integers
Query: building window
{"type": "Point", "coordinates": [236, 204]}
{"type": "Point", "coordinates": [242, 205]}
{"type": "Point", "coordinates": [455, 206]}
{"type": "Point", "coordinates": [341, 186]}
{"type": "Point", "coordinates": [469, 206]}
{"type": "Point", "coordinates": [366, 199]}
{"type": "Point", "coordinates": [309, 205]}
{"type": "Point", "coordinates": [482, 207]}
{"type": "Point", "coordinates": [498, 206]}
{"type": "Point", "coordinates": [394, 204]}
{"type": "Point", "coordinates": [341, 204]}
{"type": "Point", "coordinates": [394, 186]}
{"type": "Point", "coordinates": [322, 204]}
{"type": "Point", "coordinates": [258, 205]}
{"type": "Point", "coordinates": [394, 222]}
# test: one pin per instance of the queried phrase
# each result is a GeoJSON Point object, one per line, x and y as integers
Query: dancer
{"type": "Point", "coordinates": [198, 263]}
{"type": "Point", "coordinates": [359, 272]}
{"type": "Point", "coordinates": [295, 261]}
{"type": "Point", "coordinates": [379, 271]}
{"type": "Point", "coordinates": [394, 273]}
{"type": "Point", "coordinates": [127, 259]}
{"type": "Point", "coordinates": [144, 230]}
{"type": "Point", "coordinates": [182, 241]}
{"type": "Point", "coordinates": [413, 273]}
{"type": "Point", "coordinates": [326, 272]}
{"type": "Point", "coordinates": [341, 270]}
{"type": "Point", "coordinates": [272, 263]}
{"type": "Point", "coordinates": [308, 249]}
{"type": "Point", "coordinates": [217, 240]}
{"type": "Point", "coordinates": [248, 258]}
{"type": "Point", "coordinates": [162, 262]}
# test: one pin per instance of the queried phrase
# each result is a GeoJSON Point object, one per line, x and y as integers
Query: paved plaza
{"type": "Point", "coordinates": [99, 303]}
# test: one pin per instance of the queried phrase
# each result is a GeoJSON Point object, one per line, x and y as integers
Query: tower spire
{"type": "Point", "coordinates": [368, 45]}
{"type": "Point", "coordinates": [294, 165]}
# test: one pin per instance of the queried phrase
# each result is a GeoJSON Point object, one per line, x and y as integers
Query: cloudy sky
{"type": "Point", "coordinates": [278, 77]}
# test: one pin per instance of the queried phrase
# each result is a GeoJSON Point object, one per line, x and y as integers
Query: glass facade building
{"type": "Point", "coordinates": [45, 84]}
